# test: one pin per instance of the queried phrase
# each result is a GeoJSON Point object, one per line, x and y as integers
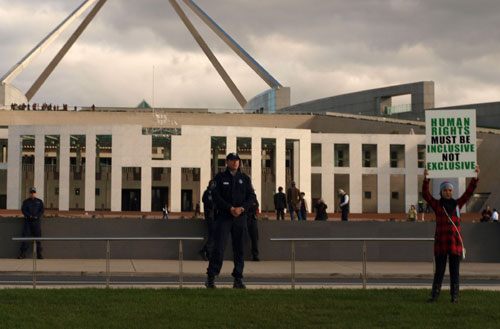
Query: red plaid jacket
{"type": "Point", "coordinates": [446, 239]}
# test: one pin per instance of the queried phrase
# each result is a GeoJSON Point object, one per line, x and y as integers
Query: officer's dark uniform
{"type": "Point", "coordinates": [209, 211]}
{"type": "Point", "coordinates": [230, 191]}
{"type": "Point", "coordinates": [253, 232]}
{"type": "Point", "coordinates": [32, 209]}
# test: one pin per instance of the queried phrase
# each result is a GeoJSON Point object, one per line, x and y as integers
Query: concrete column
{"type": "Point", "coordinates": [257, 166]}
{"type": "Point", "coordinates": [64, 172]}
{"type": "Point", "coordinates": [355, 176]}
{"type": "Point", "coordinates": [90, 164]}
{"type": "Point", "coordinates": [175, 189]}
{"type": "Point", "coordinates": [230, 144]}
{"type": "Point", "coordinates": [40, 165]}
{"type": "Point", "coordinates": [304, 183]}
{"type": "Point", "coordinates": [146, 188]}
{"type": "Point", "coordinates": [296, 163]}
{"type": "Point", "coordinates": [116, 176]}
{"type": "Point", "coordinates": [205, 169]}
{"type": "Point", "coordinates": [280, 162]}
{"type": "Point", "coordinates": [327, 175]}
{"type": "Point", "coordinates": [411, 174]}
{"type": "Point", "coordinates": [14, 170]}
{"type": "Point", "coordinates": [383, 177]}
{"type": "Point", "coordinates": [204, 181]}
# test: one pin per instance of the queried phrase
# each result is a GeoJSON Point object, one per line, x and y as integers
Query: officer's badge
{"type": "Point", "coordinates": [240, 181]}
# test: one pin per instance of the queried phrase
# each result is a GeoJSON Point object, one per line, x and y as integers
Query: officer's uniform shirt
{"type": "Point", "coordinates": [232, 191]}
{"type": "Point", "coordinates": [33, 208]}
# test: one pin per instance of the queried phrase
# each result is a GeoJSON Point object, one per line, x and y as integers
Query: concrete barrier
{"type": "Point", "coordinates": [482, 240]}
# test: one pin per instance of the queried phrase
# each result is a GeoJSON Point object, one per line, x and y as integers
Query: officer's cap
{"type": "Point", "coordinates": [232, 156]}
{"type": "Point", "coordinates": [32, 190]}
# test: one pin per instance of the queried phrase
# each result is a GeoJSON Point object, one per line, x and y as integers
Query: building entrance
{"type": "Point", "coordinates": [159, 198]}
{"type": "Point", "coordinates": [187, 200]}
{"type": "Point", "coordinates": [131, 200]}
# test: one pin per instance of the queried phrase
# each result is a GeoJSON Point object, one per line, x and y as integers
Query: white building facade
{"type": "Point", "coordinates": [374, 169]}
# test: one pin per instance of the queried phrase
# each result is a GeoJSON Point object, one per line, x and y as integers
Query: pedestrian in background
{"type": "Point", "coordinates": [197, 210]}
{"type": "Point", "coordinates": [344, 204]}
{"type": "Point", "coordinates": [292, 199]}
{"type": "Point", "coordinates": [280, 204]}
{"type": "Point", "coordinates": [412, 214]}
{"type": "Point", "coordinates": [448, 241]}
{"type": "Point", "coordinates": [486, 215]}
{"type": "Point", "coordinates": [304, 209]}
{"type": "Point", "coordinates": [421, 209]}
{"type": "Point", "coordinates": [321, 210]}
{"type": "Point", "coordinates": [165, 211]}
{"type": "Point", "coordinates": [494, 216]}
{"type": "Point", "coordinates": [233, 195]}
{"type": "Point", "coordinates": [32, 209]}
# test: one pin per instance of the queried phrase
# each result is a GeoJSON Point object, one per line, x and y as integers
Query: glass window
{"type": "Point", "coordinates": [316, 155]}
{"type": "Point", "coordinates": [369, 154]}
{"type": "Point", "coordinates": [341, 155]}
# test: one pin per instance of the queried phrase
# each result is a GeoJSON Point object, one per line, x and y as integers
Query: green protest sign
{"type": "Point", "coordinates": [450, 143]}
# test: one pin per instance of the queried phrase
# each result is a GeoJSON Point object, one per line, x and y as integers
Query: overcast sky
{"type": "Point", "coordinates": [319, 48]}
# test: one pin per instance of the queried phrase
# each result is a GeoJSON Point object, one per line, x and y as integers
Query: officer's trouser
{"type": "Point", "coordinates": [253, 232]}
{"type": "Point", "coordinates": [238, 229]}
{"type": "Point", "coordinates": [209, 242]}
{"type": "Point", "coordinates": [32, 229]}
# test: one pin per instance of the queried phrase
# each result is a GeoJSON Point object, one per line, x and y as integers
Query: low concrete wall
{"type": "Point", "coordinates": [482, 239]}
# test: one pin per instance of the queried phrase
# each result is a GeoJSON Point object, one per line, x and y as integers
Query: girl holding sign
{"type": "Point", "coordinates": [448, 241]}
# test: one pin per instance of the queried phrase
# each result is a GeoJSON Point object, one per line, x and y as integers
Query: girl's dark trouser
{"type": "Point", "coordinates": [454, 261]}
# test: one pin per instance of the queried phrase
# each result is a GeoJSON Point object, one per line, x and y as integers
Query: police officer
{"type": "Point", "coordinates": [209, 212]}
{"type": "Point", "coordinates": [33, 210]}
{"type": "Point", "coordinates": [233, 195]}
{"type": "Point", "coordinates": [253, 231]}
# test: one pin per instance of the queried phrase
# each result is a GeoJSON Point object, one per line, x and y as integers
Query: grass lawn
{"type": "Point", "coordinates": [228, 308]}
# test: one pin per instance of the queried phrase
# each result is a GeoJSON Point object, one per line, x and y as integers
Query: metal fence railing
{"type": "Point", "coordinates": [108, 249]}
{"type": "Point", "coordinates": [331, 239]}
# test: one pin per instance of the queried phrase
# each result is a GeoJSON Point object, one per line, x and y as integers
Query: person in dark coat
{"type": "Point", "coordinates": [292, 199]}
{"type": "Point", "coordinates": [486, 215]}
{"type": "Point", "coordinates": [321, 210]}
{"type": "Point", "coordinates": [253, 231]}
{"type": "Point", "coordinates": [32, 209]}
{"type": "Point", "coordinates": [448, 241]}
{"type": "Point", "coordinates": [304, 209]}
{"type": "Point", "coordinates": [233, 195]}
{"type": "Point", "coordinates": [280, 204]}
{"type": "Point", "coordinates": [209, 212]}
{"type": "Point", "coordinates": [197, 210]}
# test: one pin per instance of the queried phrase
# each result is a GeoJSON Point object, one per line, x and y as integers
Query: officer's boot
{"type": "Point", "coordinates": [238, 284]}
{"type": "Point", "coordinates": [210, 283]}
{"type": "Point", "coordinates": [436, 289]}
{"type": "Point", "coordinates": [454, 290]}
{"type": "Point", "coordinates": [22, 255]}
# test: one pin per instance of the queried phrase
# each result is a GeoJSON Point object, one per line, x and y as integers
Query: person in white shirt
{"type": "Point", "coordinates": [495, 216]}
{"type": "Point", "coordinates": [344, 204]}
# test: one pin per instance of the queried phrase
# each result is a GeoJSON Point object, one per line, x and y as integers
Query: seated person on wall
{"type": "Point", "coordinates": [486, 215]}
{"type": "Point", "coordinates": [412, 214]}
{"type": "Point", "coordinates": [321, 210]}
